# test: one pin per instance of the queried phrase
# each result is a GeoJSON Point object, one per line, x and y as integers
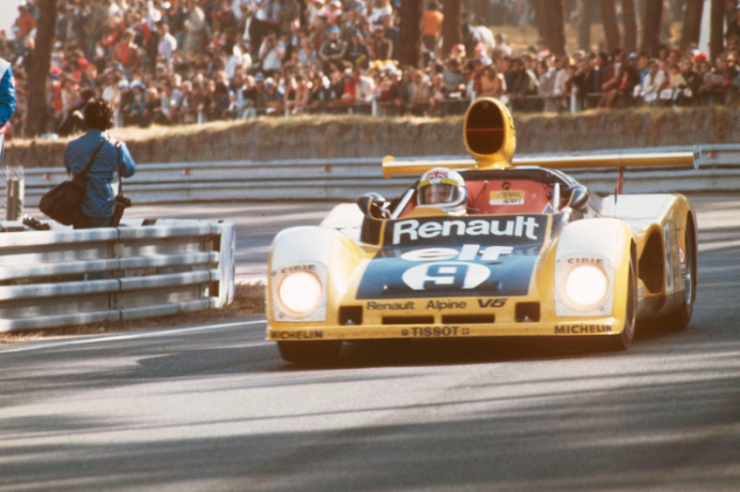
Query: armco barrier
{"type": "Point", "coordinates": [346, 179]}
{"type": "Point", "coordinates": [142, 268]}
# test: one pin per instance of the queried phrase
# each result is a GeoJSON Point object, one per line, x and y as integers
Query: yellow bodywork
{"type": "Point", "coordinates": [349, 259]}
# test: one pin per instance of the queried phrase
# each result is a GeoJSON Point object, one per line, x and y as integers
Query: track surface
{"type": "Point", "coordinates": [214, 408]}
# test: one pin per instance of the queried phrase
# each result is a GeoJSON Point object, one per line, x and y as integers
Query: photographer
{"type": "Point", "coordinates": [114, 156]}
{"type": "Point", "coordinates": [271, 54]}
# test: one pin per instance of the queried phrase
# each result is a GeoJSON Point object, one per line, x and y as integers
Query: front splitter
{"type": "Point", "coordinates": [592, 327]}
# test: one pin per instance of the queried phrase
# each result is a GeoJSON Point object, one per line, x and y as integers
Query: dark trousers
{"type": "Point", "coordinates": [85, 222]}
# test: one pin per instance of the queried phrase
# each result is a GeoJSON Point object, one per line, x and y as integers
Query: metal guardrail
{"type": "Point", "coordinates": [346, 179]}
{"type": "Point", "coordinates": [142, 268]}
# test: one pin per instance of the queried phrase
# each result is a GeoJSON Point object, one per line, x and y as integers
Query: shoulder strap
{"type": "Point", "coordinates": [92, 159]}
{"type": "Point", "coordinates": [120, 178]}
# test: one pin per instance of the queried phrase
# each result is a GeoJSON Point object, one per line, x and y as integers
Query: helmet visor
{"type": "Point", "coordinates": [438, 194]}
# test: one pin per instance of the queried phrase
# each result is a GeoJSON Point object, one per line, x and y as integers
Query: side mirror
{"type": "Point", "coordinates": [372, 204]}
{"type": "Point", "coordinates": [579, 198]}
{"type": "Point", "coordinates": [364, 203]}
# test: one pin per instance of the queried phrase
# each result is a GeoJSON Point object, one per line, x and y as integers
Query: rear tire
{"type": "Point", "coordinates": [679, 319]}
{"type": "Point", "coordinates": [624, 340]}
{"type": "Point", "coordinates": [310, 353]}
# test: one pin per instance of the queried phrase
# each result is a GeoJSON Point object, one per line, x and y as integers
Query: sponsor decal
{"type": "Point", "coordinates": [491, 303]}
{"type": "Point", "coordinates": [586, 261]}
{"type": "Point", "coordinates": [411, 232]}
{"type": "Point", "coordinates": [295, 268]}
{"type": "Point", "coordinates": [446, 275]}
{"type": "Point", "coordinates": [297, 335]}
{"type": "Point", "coordinates": [389, 306]}
{"type": "Point", "coordinates": [506, 197]}
{"type": "Point", "coordinates": [441, 306]}
{"type": "Point", "coordinates": [435, 331]}
{"type": "Point", "coordinates": [581, 329]}
{"type": "Point", "coordinates": [455, 257]}
{"type": "Point", "coordinates": [681, 256]}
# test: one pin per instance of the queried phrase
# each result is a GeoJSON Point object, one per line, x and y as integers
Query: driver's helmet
{"type": "Point", "coordinates": [443, 188]}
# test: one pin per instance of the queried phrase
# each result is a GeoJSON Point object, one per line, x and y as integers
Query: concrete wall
{"type": "Point", "coordinates": [298, 138]}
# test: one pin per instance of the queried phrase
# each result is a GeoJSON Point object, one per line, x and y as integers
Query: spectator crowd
{"type": "Point", "coordinates": [187, 61]}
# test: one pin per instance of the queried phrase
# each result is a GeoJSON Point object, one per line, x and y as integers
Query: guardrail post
{"type": "Point", "coordinates": [14, 193]}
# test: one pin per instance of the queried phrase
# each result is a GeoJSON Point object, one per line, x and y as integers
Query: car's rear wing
{"type": "Point", "coordinates": [490, 138]}
{"type": "Point", "coordinates": [391, 167]}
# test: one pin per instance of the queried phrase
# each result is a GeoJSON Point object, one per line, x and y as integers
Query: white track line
{"type": "Point", "coordinates": [133, 336]}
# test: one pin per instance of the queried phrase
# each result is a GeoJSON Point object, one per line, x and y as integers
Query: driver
{"type": "Point", "coordinates": [443, 188]}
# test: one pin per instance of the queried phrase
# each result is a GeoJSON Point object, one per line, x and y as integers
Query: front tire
{"type": "Point", "coordinates": [623, 341]}
{"type": "Point", "coordinates": [310, 353]}
{"type": "Point", "coordinates": [679, 319]}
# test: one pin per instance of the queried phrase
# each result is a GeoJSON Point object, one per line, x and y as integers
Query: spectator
{"type": "Point", "coordinates": [523, 84]}
{"type": "Point", "coordinates": [271, 53]}
{"type": "Point", "coordinates": [652, 83]}
{"type": "Point", "coordinates": [492, 83]}
{"type": "Point", "coordinates": [167, 44]}
{"type": "Point", "coordinates": [391, 33]}
{"type": "Point", "coordinates": [113, 158]}
{"type": "Point", "coordinates": [381, 10]}
{"type": "Point", "coordinates": [381, 48]}
{"type": "Point", "coordinates": [195, 27]}
{"type": "Point", "coordinates": [432, 24]}
{"type": "Point", "coordinates": [126, 53]}
{"type": "Point", "coordinates": [502, 49]}
{"type": "Point", "coordinates": [453, 75]}
{"type": "Point", "coordinates": [357, 52]}
{"type": "Point", "coordinates": [333, 48]}
{"type": "Point", "coordinates": [421, 91]}
{"type": "Point", "coordinates": [273, 97]}
{"type": "Point", "coordinates": [172, 98]}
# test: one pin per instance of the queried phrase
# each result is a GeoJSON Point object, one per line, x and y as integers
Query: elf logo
{"type": "Point", "coordinates": [446, 276]}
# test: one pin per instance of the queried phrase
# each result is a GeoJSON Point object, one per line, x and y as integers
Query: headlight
{"type": "Point", "coordinates": [586, 286]}
{"type": "Point", "coordinates": [300, 293]}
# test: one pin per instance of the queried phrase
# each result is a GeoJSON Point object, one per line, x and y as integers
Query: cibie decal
{"type": "Point", "coordinates": [446, 275]}
{"type": "Point", "coordinates": [411, 230]}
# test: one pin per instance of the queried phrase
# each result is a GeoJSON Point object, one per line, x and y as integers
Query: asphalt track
{"type": "Point", "coordinates": [214, 407]}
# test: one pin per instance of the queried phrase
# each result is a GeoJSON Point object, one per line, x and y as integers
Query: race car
{"type": "Point", "coordinates": [530, 253]}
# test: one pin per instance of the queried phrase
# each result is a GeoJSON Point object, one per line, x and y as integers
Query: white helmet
{"type": "Point", "coordinates": [443, 188]}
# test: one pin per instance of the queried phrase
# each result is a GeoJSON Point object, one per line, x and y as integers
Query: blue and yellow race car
{"type": "Point", "coordinates": [526, 251]}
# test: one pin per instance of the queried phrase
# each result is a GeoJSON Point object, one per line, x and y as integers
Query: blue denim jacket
{"type": "Point", "coordinates": [7, 99]}
{"type": "Point", "coordinates": [99, 199]}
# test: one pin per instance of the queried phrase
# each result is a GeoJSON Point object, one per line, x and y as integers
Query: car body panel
{"type": "Point", "coordinates": [498, 270]}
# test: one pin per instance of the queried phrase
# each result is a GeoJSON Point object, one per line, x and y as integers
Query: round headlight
{"type": "Point", "coordinates": [300, 293]}
{"type": "Point", "coordinates": [586, 285]}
